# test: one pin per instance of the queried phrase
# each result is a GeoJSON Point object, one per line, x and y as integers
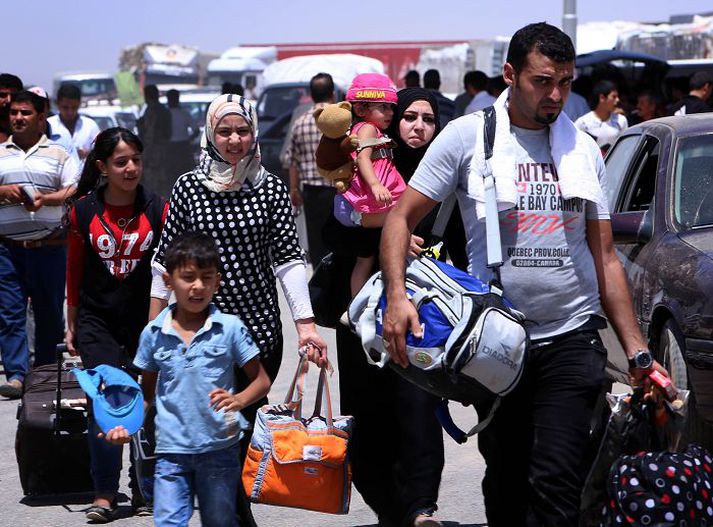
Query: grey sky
{"type": "Point", "coordinates": [89, 34]}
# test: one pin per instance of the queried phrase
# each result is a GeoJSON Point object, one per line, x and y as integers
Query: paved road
{"type": "Point", "coordinates": [460, 501]}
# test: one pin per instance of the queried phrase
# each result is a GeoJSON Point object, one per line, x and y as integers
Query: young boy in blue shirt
{"type": "Point", "coordinates": [187, 355]}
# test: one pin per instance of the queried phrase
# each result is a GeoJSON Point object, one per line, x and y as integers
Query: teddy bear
{"type": "Point", "coordinates": [333, 158]}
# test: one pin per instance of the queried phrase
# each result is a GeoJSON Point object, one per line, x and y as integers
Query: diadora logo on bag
{"type": "Point", "coordinates": [500, 356]}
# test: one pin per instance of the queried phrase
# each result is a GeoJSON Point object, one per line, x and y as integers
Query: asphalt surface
{"type": "Point", "coordinates": [460, 502]}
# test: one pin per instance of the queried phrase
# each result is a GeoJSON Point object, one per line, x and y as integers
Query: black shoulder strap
{"type": "Point", "coordinates": [488, 131]}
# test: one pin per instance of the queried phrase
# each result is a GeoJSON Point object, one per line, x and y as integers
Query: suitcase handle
{"type": "Point", "coordinates": [59, 355]}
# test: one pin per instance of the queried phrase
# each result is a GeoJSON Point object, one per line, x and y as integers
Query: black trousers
{"type": "Point", "coordinates": [103, 341]}
{"type": "Point", "coordinates": [397, 446]}
{"type": "Point", "coordinates": [318, 204]}
{"type": "Point", "coordinates": [535, 448]}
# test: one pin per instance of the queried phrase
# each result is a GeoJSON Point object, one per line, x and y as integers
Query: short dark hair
{"type": "Point", "coordinates": [321, 87]}
{"type": "Point", "coordinates": [603, 87]}
{"type": "Point", "coordinates": [69, 90]}
{"type": "Point", "coordinates": [700, 79]}
{"type": "Point", "coordinates": [37, 102]}
{"type": "Point", "coordinates": [477, 79]}
{"type": "Point", "coordinates": [432, 80]}
{"type": "Point", "coordinates": [232, 87]}
{"type": "Point", "coordinates": [173, 96]}
{"type": "Point", "coordinates": [653, 96]}
{"type": "Point", "coordinates": [192, 247]}
{"type": "Point", "coordinates": [412, 79]}
{"type": "Point", "coordinates": [552, 42]}
{"type": "Point", "coordinates": [8, 80]}
{"type": "Point", "coordinates": [151, 92]}
{"type": "Point", "coordinates": [496, 85]}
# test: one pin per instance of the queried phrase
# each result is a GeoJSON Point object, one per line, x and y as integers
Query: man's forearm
{"type": "Point", "coordinates": [294, 177]}
{"type": "Point", "coordinates": [58, 197]}
{"type": "Point", "coordinates": [617, 305]}
{"type": "Point", "coordinates": [394, 247]}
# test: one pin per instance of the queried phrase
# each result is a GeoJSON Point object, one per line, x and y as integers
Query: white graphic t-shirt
{"type": "Point", "coordinates": [604, 132]}
{"type": "Point", "coordinates": [549, 271]}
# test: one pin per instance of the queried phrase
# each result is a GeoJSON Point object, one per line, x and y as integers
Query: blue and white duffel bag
{"type": "Point", "coordinates": [474, 343]}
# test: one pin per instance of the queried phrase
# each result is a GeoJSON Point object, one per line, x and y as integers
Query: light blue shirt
{"type": "Point", "coordinates": [185, 422]}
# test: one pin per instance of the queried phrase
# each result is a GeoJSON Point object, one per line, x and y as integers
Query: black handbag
{"type": "Point", "coordinates": [324, 290]}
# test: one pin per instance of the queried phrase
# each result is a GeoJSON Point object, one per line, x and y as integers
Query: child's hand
{"type": "Point", "coordinates": [116, 436]}
{"type": "Point", "coordinates": [221, 399]}
{"type": "Point", "coordinates": [381, 193]}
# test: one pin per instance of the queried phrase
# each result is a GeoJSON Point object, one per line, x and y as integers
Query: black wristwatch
{"type": "Point", "coordinates": [642, 359]}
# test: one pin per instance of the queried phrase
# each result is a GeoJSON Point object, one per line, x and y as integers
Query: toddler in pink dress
{"type": "Point", "coordinates": [376, 185]}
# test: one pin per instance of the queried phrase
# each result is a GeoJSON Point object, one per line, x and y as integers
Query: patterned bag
{"type": "Point", "coordinates": [661, 488]}
{"type": "Point", "coordinates": [296, 462]}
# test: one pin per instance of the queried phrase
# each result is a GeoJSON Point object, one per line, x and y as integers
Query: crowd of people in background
{"type": "Point", "coordinates": [114, 219]}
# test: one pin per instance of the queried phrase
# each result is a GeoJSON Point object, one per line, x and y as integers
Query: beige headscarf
{"type": "Point", "coordinates": [214, 172]}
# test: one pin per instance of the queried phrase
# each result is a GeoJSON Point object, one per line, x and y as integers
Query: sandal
{"type": "Point", "coordinates": [426, 519]}
{"type": "Point", "coordinates": [100, 514]}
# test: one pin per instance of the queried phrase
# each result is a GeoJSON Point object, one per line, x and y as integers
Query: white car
{"type": "Point", "coordinates": [107, 116]}
{"type": "Point", "coordinates": [196, 102]}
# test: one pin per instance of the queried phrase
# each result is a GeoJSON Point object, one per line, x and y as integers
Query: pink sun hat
{"type": "Point", "coordinates": [372, 87]}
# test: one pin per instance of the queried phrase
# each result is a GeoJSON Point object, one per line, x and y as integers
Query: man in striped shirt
{"type": "Point", "coordinates": [307, 187]}
{"type": "Point", "coordinates": [36, 177]}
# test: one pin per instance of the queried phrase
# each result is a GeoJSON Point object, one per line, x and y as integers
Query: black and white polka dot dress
{"type": "Point", "coordinates": [255, 232]}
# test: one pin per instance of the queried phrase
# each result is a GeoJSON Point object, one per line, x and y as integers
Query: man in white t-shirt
{"type": "Point", "coordinates": [560, 269]}
{"type": "Point", "coordinates": [80, 130]}
{"type": "Point", "coordinates": [604, 123]}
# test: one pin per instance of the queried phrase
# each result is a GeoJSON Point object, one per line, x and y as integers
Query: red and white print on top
{"type": "Point", "coordinates": [119, 238]}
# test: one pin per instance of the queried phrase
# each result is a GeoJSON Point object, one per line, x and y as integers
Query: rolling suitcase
{"type": "Point", "coordinates": [51, 441]}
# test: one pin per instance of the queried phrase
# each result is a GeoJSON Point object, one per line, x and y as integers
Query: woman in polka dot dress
{"type": "Point", "coordinates": [247, 211]}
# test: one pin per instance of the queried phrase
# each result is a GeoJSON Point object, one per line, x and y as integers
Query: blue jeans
{"type": "Point", "coordinates": [40, 275]}
{"type": "Point", "coordinates": [105, 464]}
{"type": "Point", "coordinates": [105, 461]}
{"type": "Point", "coordinates": [212, 476]}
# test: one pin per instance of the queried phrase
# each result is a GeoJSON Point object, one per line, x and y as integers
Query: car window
{"type": "Point", "coordinates": [617, 161]}
{"type": "Point", "coordinates": [103, 122]}
{"type": "Point", "coordinates": [126, 119]}
{"type": "Point", "coordinates": [693, 182]}
{"type": "Point", "coordinates": [279, 100]}
{"type": "Point", "coordinates": [94, 87]}
{"type": "Point", "coordinates": [197, 110]}
{"type": "Point", "coordinates": [278, 129]}
{"type": "Point", "coordinates": [641, 182]}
